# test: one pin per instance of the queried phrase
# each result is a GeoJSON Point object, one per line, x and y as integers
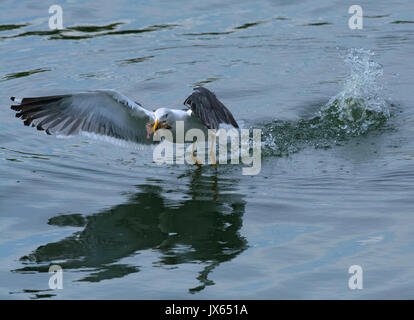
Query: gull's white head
{"type": "Point", "coordinates": [164, 118]}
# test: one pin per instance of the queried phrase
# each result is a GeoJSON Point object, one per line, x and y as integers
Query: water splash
{"type": "Point", "coordinates": [357, 109]}
{"type": "Point", "coordinates": [360, 105]}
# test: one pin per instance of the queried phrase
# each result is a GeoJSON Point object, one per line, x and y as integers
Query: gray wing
{"type": "Point", "coordinates": [204, 104]}
{"type": "Point", "coordinates": [103, 112]}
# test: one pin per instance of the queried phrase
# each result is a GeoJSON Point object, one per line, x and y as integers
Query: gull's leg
{"type": "Point", "coordinates": [196, 161]}
{"type": "Point", "coordinates": [213, 150]}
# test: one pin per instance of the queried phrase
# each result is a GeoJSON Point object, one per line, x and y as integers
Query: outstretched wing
{"type": "Point", "coordinates": [103, 112]}
{"type": "Point", "coordinates": [204, 104]}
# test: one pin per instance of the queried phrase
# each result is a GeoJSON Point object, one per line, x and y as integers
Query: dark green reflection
{"type": "Point", "coordinates": [203, 228]}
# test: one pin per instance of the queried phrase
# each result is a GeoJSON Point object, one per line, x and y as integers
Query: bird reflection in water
{"type": "Point", "coordinates": [202, 227]}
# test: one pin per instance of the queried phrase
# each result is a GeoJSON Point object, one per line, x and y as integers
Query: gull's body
{"type": "Point", "coordinates": [190, 120]}
{"type": "Point", "coordinates": [109, 113]}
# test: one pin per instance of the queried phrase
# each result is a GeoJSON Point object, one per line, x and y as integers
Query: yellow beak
{"type": "Point", "coordinates": [154, 128]}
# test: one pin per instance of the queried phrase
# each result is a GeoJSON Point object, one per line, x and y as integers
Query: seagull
{"type": "Point", "coordinates": [109, 113]}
